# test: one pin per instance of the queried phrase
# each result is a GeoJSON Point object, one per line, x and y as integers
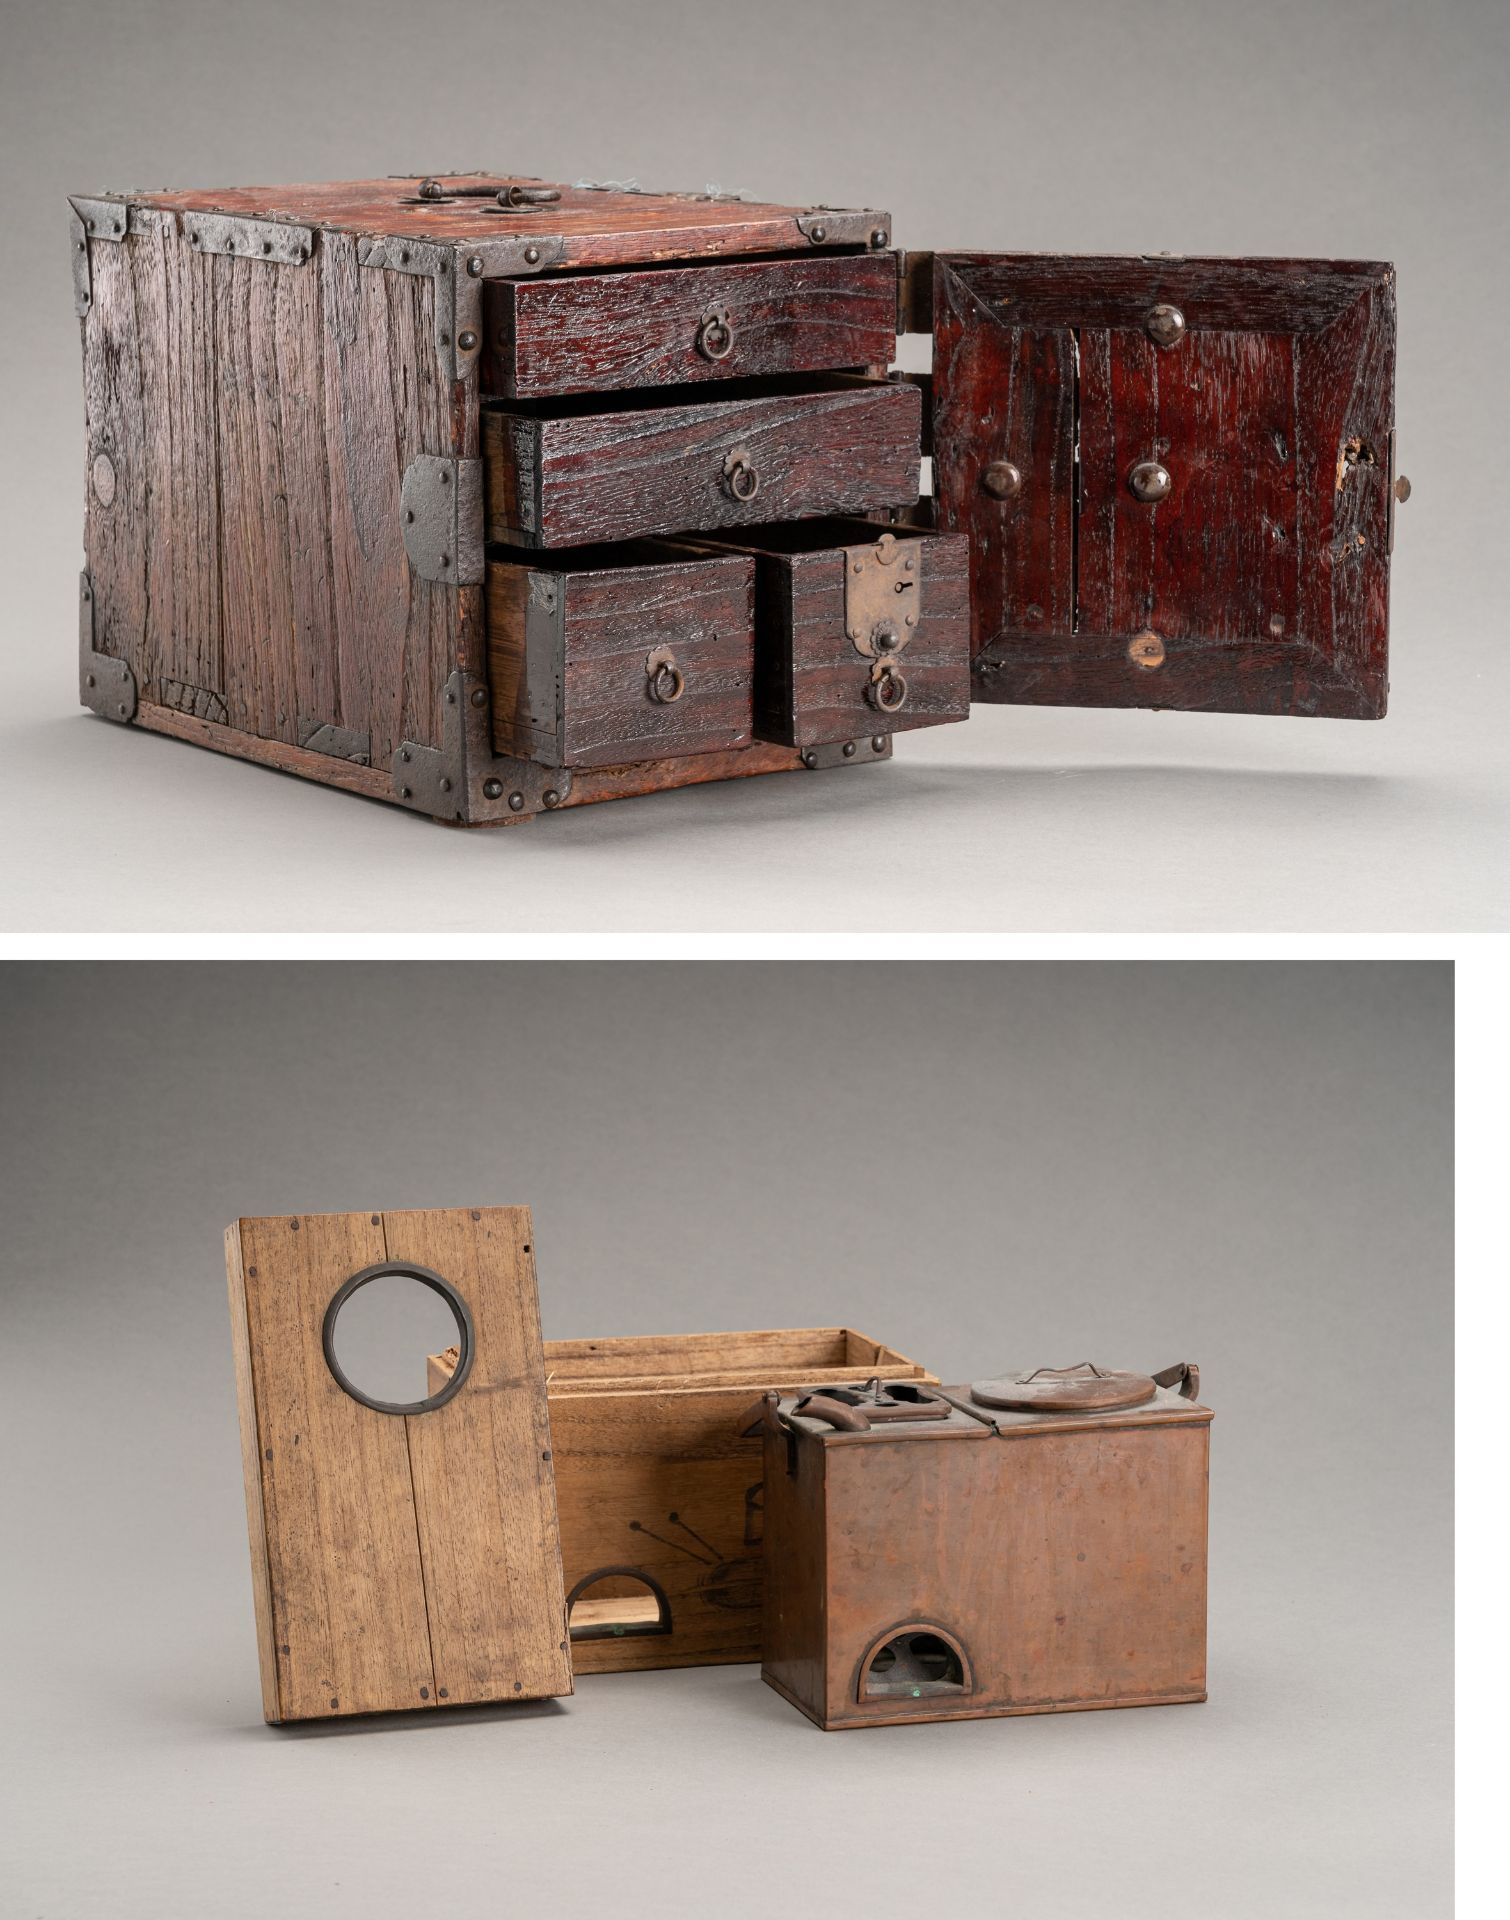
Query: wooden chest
{"type": "Point", "coordinates": [1026, 1545]}
{"type": "Point", "coordinates": [658, 1482]}
{"type": "Point", "coordinates": [487, 496]}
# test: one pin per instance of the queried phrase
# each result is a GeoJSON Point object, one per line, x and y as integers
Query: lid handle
{"type": "Point", "coordinates": [1185, 1375]}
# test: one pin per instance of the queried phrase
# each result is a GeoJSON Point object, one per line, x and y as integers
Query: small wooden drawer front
{"type": "Point", "coordinates": [660, 1493]}
{"type": "Point", "coordinates": [601, 658]}
{"type": "Point", "coordinates": [593, 333]}
{"type": "Point", "coordinates": [600, 471]}
{"type": "Point", "coordinates": [823, 589]}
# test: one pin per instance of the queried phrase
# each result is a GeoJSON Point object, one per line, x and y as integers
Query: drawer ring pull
{"type": "Point", "coordinates": [664, 679]}
{"type": "Point", "coordinates": [740, 476]}
{"type": "Point", "coordinates": [715, 334]}
{"type": "Point", "coordinates": [887, 688]}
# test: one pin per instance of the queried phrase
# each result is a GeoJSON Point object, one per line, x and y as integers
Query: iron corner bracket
{"type": "Point", "coordinates": [440, 511]}
{"type": "Point", "coordinates": [97, 217]}
{"type": "Point", "coordinates": [458, 272]}
{"type": "Point", "coordinates": [845, 227]}
{"type": "Point", "coordinates": [107, 687]}
{"type": "Point", "coordinates": [865, 751]}
{"type": "Point", "coordinates": [463, 779]}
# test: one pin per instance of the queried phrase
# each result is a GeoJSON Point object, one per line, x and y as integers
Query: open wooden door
{"type": "Point", "coordinates": [1176, 476]}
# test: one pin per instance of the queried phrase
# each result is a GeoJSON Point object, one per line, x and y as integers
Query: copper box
{"type": "Point", "coordinates": [1026, 1545]}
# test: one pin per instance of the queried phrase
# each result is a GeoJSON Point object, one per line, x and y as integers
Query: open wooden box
{"type": "Point", "coordinates": [660, 1495]}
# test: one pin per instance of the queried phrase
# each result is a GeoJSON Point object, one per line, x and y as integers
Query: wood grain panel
{"type": "Point", "coordinates": [484, 1495]}
{"type": "Point", "coordinates": [1006, 393]}
{"type": "Point", "coordinates": [569, 652]}
{"type": "Point", "coordinates": [600, 332]}
{"type": "Point", "coordinates": [1263, 573]}
{"type": "Point", "coordinates": [258, 418]}
{"type": "Point", "coordinates": [566, 478]}
{"type": "Point", "coordinates": [348, 1594]}
{"type": "Point", "coordinates": [653, 1473]}
{"type": "Point", "coordinates": [399, 1560]}
{"type": "Point", "coordinates": [594, 227]}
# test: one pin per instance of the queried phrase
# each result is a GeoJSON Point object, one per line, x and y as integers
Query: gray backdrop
{"type": "Point", "coordinates": [1371, 128]}
{"type": "Point", "coordinates": [1245, 1165]}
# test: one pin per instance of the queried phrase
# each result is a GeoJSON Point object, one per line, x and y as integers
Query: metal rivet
{"type": "Point", "coordinates": [443, 1693]}
{"type": "Point", "coordinates": [532, 255]}
{"type": "Point", "coordinates": [267, 246]}
{"type": "Point", "coordinates": [445, 786]}
{"type": "Point", "coordinates": [516, 802]}
{"type": "Point", "coordinates": [445, 476]}
{"type": "Point", "coordinates": [445, 560]}
{"type": "Point", "coordinates": [466, 341]}
{"type": "Point", "coordinates": [479, 696]}
{"type": "Point", "coordinates": [404, 754]}
{"type": "Point", "coordinates": [444, 339]}
{"type": "Point", "coordinates": [492, 788]}
{"type": "Point", "coordinates": [474, 265]}
{"type": "Point", "coordinates": [810, 759]}
{"type": "Point", "coordinates": [1276, 624]}
{"type": "Point", "coordinates": [878, 743]}
{"type": "Point", "coordinates": [121, 711]}
{"type": "Point", "coordinates": [1146, 650]}
{"type": "Point", "coordinates": [879, 237]}
{"type": "Point", "coordinates": [406, 793]}
{"type": "Point", "coordinates": [849, 749]}
{"type": "Point", "coordinates": [1165, 325]}
{"type": "Point", "coordinates": [820, 234]}
{"type": "Point", "coordinates": [1002, 479]}
{"type": "Point", "coordinates": [552, 798]}
{"type": "Point", "coordinates": [404, 257]}
{"type": "Point", "coordinates": [1150, 481]}
{"type": "Point", "coordinates": [89, 680]}
{"type": "Point", "coordinates": [450, 699]}
{"type": "Point", "coordinates": [409, 516]}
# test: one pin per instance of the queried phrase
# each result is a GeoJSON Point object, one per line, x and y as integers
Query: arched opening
{"type": "Point", "coordinates": [920, 1662]}
{"type": "Point", "coordinates": [617, 1603]}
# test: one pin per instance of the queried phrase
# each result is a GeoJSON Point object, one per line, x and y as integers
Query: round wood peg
{"type": "Point", "coordinates": [1002, 480]}
{"type": "Point", "coordinates": [1150, 481]}
{"type": "Point", "coordinates": [1146, 650]}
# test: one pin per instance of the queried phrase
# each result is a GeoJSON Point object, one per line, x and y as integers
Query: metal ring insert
{"type": "Point", "coordinates": [887, 689]}
{"type": "Point", "coordinates": [715, 334]}
{"type": "Point", "coordinates": [426, 1277]}
{"type": "Point", "coordinates": [740, 476]}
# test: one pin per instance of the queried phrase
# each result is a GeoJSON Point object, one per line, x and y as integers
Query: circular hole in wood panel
{"type": "Point", "coordinates": [381, 1328]}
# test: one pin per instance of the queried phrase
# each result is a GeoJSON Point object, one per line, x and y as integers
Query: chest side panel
{"type": "Point", "coordinates": [255, 418]}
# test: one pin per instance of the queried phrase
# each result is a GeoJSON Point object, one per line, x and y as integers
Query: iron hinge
{"type": "Point", "coordinates": [440, 510]}
{"type": "Point", "coordinates": [106, 686]}
{"type": "Point", "coordinates": [915, 294]}
{"type": "Point", "coordinates": [845, 227]}
{"type": "Point", "coordinates": [463, 779]}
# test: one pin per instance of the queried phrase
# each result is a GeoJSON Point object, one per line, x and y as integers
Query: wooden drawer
{"type": "Point", "coordinates": [598, 332]}
{"type": "Point", "coordinates": [823, 672]}
{"type": "Point", "coordinates": [599, 657]}
{"type": "Point", "coordinates": [660, 1496]}
{"type": "Point", "coordinates": [619, 469]}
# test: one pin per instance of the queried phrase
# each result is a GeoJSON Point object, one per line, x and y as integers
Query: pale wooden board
{"type": "Point", "coordinates": [484, 1492]}
{"type": "Point", "coordinates": [633, 1448]}
{"type": "Point", "coordinates": [408, 1559]}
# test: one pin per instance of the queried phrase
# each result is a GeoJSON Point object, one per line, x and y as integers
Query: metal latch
{"type": "Point", "coordinates": [883, 603]}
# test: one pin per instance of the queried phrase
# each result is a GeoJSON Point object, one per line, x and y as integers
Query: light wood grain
{"type": "Point", "coordinates": [408, 1558]}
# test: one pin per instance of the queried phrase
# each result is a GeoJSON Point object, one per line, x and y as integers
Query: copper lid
{"type": "Point", "coordinates": [1079, 1389]}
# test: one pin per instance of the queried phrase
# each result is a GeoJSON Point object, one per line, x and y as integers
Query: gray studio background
{"type": "Point", "coordinates": [1244, 1165]}
{"type": "Point", "coordinates": [1372, 128]}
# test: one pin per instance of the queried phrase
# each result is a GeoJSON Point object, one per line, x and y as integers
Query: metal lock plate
{"type": "Point", "coordinates": [883, 595]}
